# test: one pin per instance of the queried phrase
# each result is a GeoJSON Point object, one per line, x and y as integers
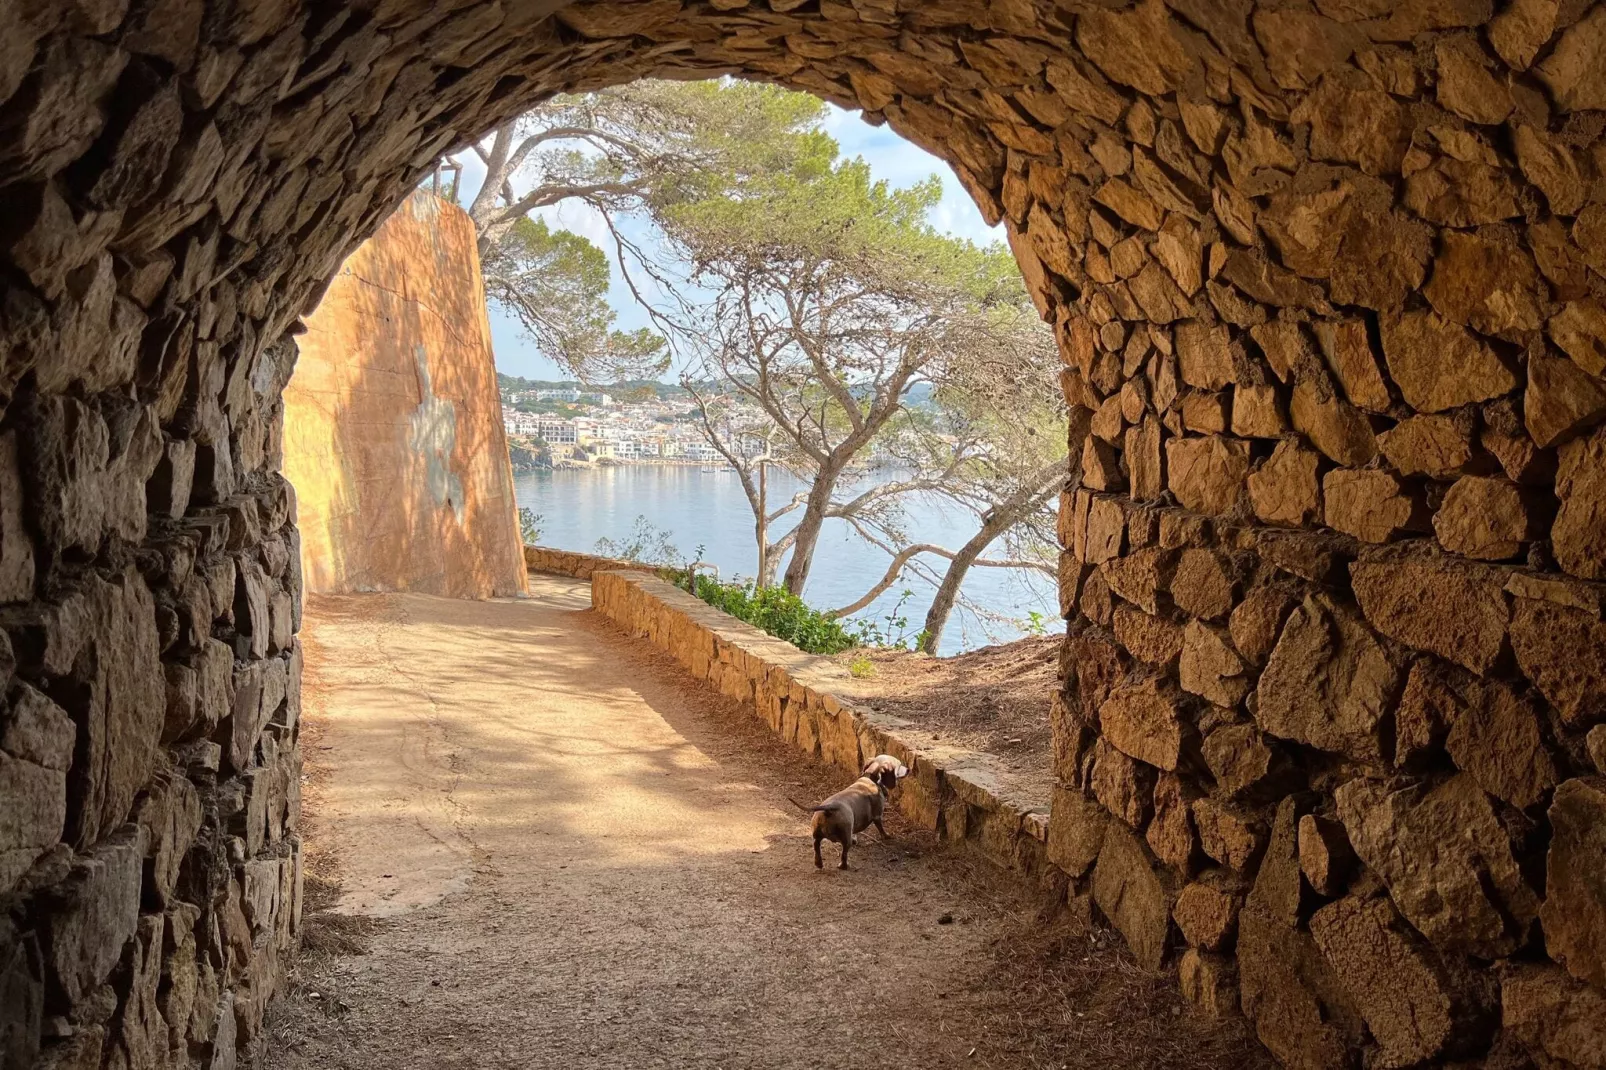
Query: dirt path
{"type": "Point", "coordinates": [577, 857]}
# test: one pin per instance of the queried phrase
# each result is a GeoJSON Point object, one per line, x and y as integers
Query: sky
{"type": "Point", "coordinates": [890, 158]}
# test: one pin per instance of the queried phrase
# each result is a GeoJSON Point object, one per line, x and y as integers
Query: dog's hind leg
{"type": "Point", "coordinates": [844, 863]}
{"type": "Point", "coordinates": [819, 862]}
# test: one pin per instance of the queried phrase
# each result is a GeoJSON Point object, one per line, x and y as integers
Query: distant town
{"type": "Point", "coordinates": [563, 425]}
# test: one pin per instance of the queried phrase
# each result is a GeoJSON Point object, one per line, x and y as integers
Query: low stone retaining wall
{"type": "Point", "coordinates": [580, 566]}
{"type": "Point", "coordinates": [810, 702]}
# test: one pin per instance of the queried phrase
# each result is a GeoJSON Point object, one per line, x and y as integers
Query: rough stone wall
{"type": "Point", "coordinates": [813, 704]}
{"type": "Point", "coordinates": [1327, 277]}
{"type": "Point", "coordinates": [573, 564]}
{"type": "Point", "coordinates": [393, 422]}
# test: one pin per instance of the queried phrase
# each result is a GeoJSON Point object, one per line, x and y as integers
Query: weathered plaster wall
{"type": "Point", "coordinates": [1328, 280]}
{"type": "Point", "coordinates": [393, 433]}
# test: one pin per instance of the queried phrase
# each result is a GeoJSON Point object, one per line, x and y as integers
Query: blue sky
{"type": "Point", "coordinates": [890, 158]}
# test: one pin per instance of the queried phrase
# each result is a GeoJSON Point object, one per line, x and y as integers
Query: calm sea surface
{"type": "Point", "coordinates": [708, 509]}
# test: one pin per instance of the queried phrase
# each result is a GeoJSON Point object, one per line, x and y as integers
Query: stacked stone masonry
{"type": "Point", "coordinates": [1327, 276]}
{"type": "Point", "coordinates": [813, 704]}
{"type": "Point", "coordinates": [575, 565]}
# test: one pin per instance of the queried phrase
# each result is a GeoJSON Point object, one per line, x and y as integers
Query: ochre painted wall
{"type": "Point", "coordinates": [393, 427]}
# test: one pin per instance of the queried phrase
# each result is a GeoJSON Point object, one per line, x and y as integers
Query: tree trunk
{"type": "Point", "coordinates": [808, 530]}
{"type": "Point", "coordinates": [948, 591]}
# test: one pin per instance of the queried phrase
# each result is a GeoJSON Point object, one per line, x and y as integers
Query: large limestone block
{"type": "Point", "coordinates": [1497, 739]}
{"type": "Point", "coordinates": [1328, 683]}
{"type": "Point", "coordinates": [1574, 913]}
{"type": "Point", "coordinates": [1075, 831]}
{"type": "Point", "coordinates": [1144, 721]}
{"type": "Point", "coordinates": [1555, 1015]}
{"type": "Point", "coordinates": [92, 915]}
{"type": "Point", "coordinates": [1207, 473]}
{"type": "Point", "coordinates": [1439, 365]}
{"type": "Point", "coordinates": [1578, 536]}
{"type": "Point", "coordinates": [1458, 613]}
{"type": "Point", "coordinates": [1128, 889]}
{"type": "Point", "coordinates": [1562, 649]}
{"type": "Point", "coordinates": [1290, 994]}
{"type": "Point", "coordinates": [1446, 861]}
{"type": "Point", "coordinates": [1412, 1000]}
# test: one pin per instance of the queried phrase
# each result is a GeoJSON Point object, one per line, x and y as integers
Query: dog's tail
{"type": "Point", "coordinates": [805, 809]}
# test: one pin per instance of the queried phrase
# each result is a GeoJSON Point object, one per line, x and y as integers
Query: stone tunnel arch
{"type": "Point", "coordinates": [1327, 278]}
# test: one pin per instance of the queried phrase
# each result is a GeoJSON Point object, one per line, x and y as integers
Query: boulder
{"type": "Point", "coordinates": [1414, 1003]}
{"type": "Point", "coordinates": [1258, 412]}
{"type": "Point", "coordinates": [1555, 1016]}
{"type": "Point", "coordinates": [1125, 787]}
{"type": "Point", "coordinates": [1144, 721]}
{"type": "Point", "coordinates": [1145, 472]}
{"type": "Point", "coordinates": [1256, 620]}
{"type": "Point", "coordinates": [1141, 576]}
{"type": "Point", "coordinates": [1075, 831]}
{"type": "Point", "coordinates": [1155, 640]}
{"type": "Point", "coordinates": [1333, 425]}
{"type": "Point", "coordinates": [1129, 891]}
{"type": "Point", "coordinates": [1497, 739]}
{"type": "Point", "coordinates": [1521, 30]}
{"type": "Point", "coordinates": [1562, 649]}
{"type": "Point", "coordinates": [1595, 743]}
{"type": "Point", "coordinates": [170, 813]}
{"type": "Point", "coordinates": [1101, 465]}
{"type": "Point", "coordinates": [1136, 48]}
{"type": "Point", "coordinates": [1209, 983]}
{"type": "Point", "coordinates": [1352, 121]}
{"type": "Point", "coordinates": [1574, 912]}
{"type": "Point", "coordinates": [91, 916]}
{"type": "Point", "coordinates": [1445, 859]}
{"type": "Point", "coordinates": [1284, 490]}
{"type": "Point", "coordinates": [1288, 991]}
{"type": "Point", "coordinates": [1207, 474]}
{"type": "Point", "coordinates": [1349, 356]}
{"type": "Point", "coordinates": [1170, 833]}
{"type": "Point", "coordinates": [1578, 537]}
{"type": "Point", "coordinates": [1370, 504]}
{"type": "Point", "coordinates": [1575, 71]}
{"type": "Point", "coordinates": [1489, 286]}
{"type": "Point", "coordinates": [1245, 765]}
{"type": "Point", "coordinates": [1106, 530]}
{"type": "Point", "coordinates": [1561, 400]}
{"type": "Point", "coordinates": [1433, 445]}
{"type": "Point", "coordinates": [1428, 706]}
{"type": "Point", "coordinates": [1202, 584]}
{"type": "Point", "coordinates": [1328, 683]}
{"type": "Point", "coordinates": [1580, 330]}
{"type": "Point", "coordinates": [1204, 355]}
{"type": "Point", "coordinates": [1456, 612]}
{"type": "Point", "coordinates": [16, 547]}
{"type": "Point", "coordinates": [1439, 365]}
{"type": "Point", "coordinates": [1210, 667]}
{"type": "Point", "coordinates": [1232, 836]}
{"type": "Point", "coordinates": [1487, 518]}
{"type": "Point", "coordinates": [1325, 856]}
{"type": "Point", "coordinates": [1207, 912]}
{"type": "Point", "coordinates": [1204, 413]}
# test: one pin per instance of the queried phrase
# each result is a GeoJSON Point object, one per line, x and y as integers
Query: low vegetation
{"type": "Point", "coordinates": [778, 612]}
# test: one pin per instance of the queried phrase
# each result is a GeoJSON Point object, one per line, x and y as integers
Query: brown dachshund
{"type": "Point", "coordinates": [857, 806]}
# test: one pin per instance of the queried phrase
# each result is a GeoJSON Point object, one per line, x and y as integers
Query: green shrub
{"type": "Point", "coordinates": [777, 611]}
